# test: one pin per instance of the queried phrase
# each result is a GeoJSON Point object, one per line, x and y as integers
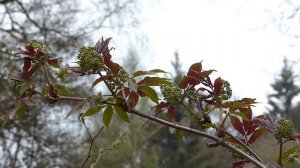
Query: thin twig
{"type": "Point", "coordinates": [107, 85]}
{"type": "Point", "coordinates": [91, 144]}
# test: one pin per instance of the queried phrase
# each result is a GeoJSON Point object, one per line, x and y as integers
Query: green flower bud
{"type": "Point", "coordinates": [16, 85]}
{"type": "Point", "coordinates": [171, 92]}
{"type": "Point", "coordinates": [242, 148]}
{"type": "Point", "coordinates": [225, 92]}
{"type": "Point", "coordinates": [122, 75]}
{"type": "Point", "coordinates": [39, 46]}
{"type": "Point", "coordinates": [193, 96]}
{"type": "Point", "coordinates": [89, 59]}
{"type": "Point", "coordinates": [284, 129]}
{"type": "Point", "coordinates": [116, 80]}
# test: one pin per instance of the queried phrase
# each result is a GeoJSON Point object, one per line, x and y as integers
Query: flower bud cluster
{"type": "Point", "coordinates": [242, 148]}
{"type": "Point", "coordinates": [171, 92]}
{"type": "Point", "coordinates": [116, 80]}
{"type": "Point", "coordinates": [193, 96]}
{"type": "Point", "coordinates": [39, 47]}
{"type": "Point", "coordinates": [16, 85]}
{"type": "Point", "coordinates": [89, 59]}
{"type": "Point", "coordinates": [226, 91]}
{"type": "Point", "coordinates": [284, 129]}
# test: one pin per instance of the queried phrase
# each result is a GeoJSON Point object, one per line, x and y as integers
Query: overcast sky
{"type": "Point", "coordinates": [238, 38]}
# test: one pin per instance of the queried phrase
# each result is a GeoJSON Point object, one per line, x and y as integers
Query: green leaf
{"type": "Point", "coordinates": [179, 134]}
{"type": "Point", "coordinates": [61, 74]}
{"type": "Point", "coordinates": [23, 89]}
{"type": "Point", "coordinates": [122, 113]}
{"type": "Point", "coordinates": [62, 90]}
{"type": "Point", "coordinates": [21, 112]}
{"type": "Point", "coordinates": [96, 82]}
{"type": "Point", "coordinates": [149, 92]}
{"type": "Point", "coordinates": [291, 155]}
{"type": "Point", "coordinates": [93, 110]}
{"type": "Point", "coordinates": [107, 116]}
{"type": "Point", "coordinates": [151, 72]}
{"type": "Point", "coordinates": [154, 81]}
{"type": "Point", "coordinates": [132, 85]}
{"type": "Point", "coordinates": [207, 125]}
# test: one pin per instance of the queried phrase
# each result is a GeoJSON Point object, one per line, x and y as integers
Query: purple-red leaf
{"type": "Point", "coordinates": [39, 53]}
{"type": "Point", "coordinates": [256, 134]}
{"type": "Point", "coordinates": [236, 123]}
{"type": "Point", "coordinates": [124, 92]}
{"type": "Point", "coordinates": [248, 114]}
{"type": "Point", "coordinates": [239, 164]}
{"type": "Point", "coordinates": [102, 45]}
{"type": "Point", "coordinates": [133, 99]}
{"type": "Point", "coordinates": [33, 69]}
{"type": "Point", "coordinates": [194, 74]}
{"type": "Point", "coordinates": [183, 82]}
{"type": "Point", "coordinates": [27, 65]}
{"type": "Point", "coordinates": [30, 49]}
{"type": "Point", "coordinates": [218, 85]}
{"type": "Point", "coordinates": [115, 68]}
{"type": "Point", "coordinates": [171, 112]}
{"type": "Point", "coordinates": [161, 106]}
{"type": "Point", "coordinates": [53, 62]}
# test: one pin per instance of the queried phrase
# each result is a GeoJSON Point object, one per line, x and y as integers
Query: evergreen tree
{"type": "Point", "coordinates": [285, 90]}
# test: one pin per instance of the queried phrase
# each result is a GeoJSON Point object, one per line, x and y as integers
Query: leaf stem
{"type": "Point", "coordinates": [280, 153]}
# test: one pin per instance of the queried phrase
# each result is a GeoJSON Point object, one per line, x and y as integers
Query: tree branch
{"type": "Point", "coordinates": [200, 133]}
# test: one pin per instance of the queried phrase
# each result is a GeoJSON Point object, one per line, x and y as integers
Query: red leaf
{"type": "Point", "coordinates": [171, 112]}
{"type": "Point", "coordinates": [30, 49]}
{"type": "Point", "coordinates": [124, 92]}
{"type": "Point", "coordinates": [107, 60]}
{"type": "Point", "coordinates": [256, 134]}
{"type": "Point", "coordinates": [33, 69]}
{"type": "Point", "coordinates": [254, 124]}
{"type": "Point", "coordinates": [248, 114]}
{"type": "Point", "coordinates": [160, 106]}
{"type": "Point", "coordinates": [184, 82]}
{"type": "Point", "coordinates": [39, 53]}
{"type": "Point", "coordinates": [295, 137]}
{"type": "Point", "coordinates": [27, 65]}
{"type": "Point", "coordinates": [248, 100]}
{"type": "Point", "coordinates": [102, 48]}
{"type": "Point", "coordinates": [236, 123]}
{"type": "Point", "coordinates": [53, 62]}
{"type": "Point", "coordinates": [142, 94]}
{"type": "Point", "coordinates": [239, 164]}
{"type": "Point", "coordinates": [218, 85]}
{"type": "Point", "coordinates": [194, 74]}
{"type": "Point", "coordinates": [115, 68]}
{"type": "Point", "coordinates": [205, 74]}
{"type": "Point", "coordinates": [133, 99]}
